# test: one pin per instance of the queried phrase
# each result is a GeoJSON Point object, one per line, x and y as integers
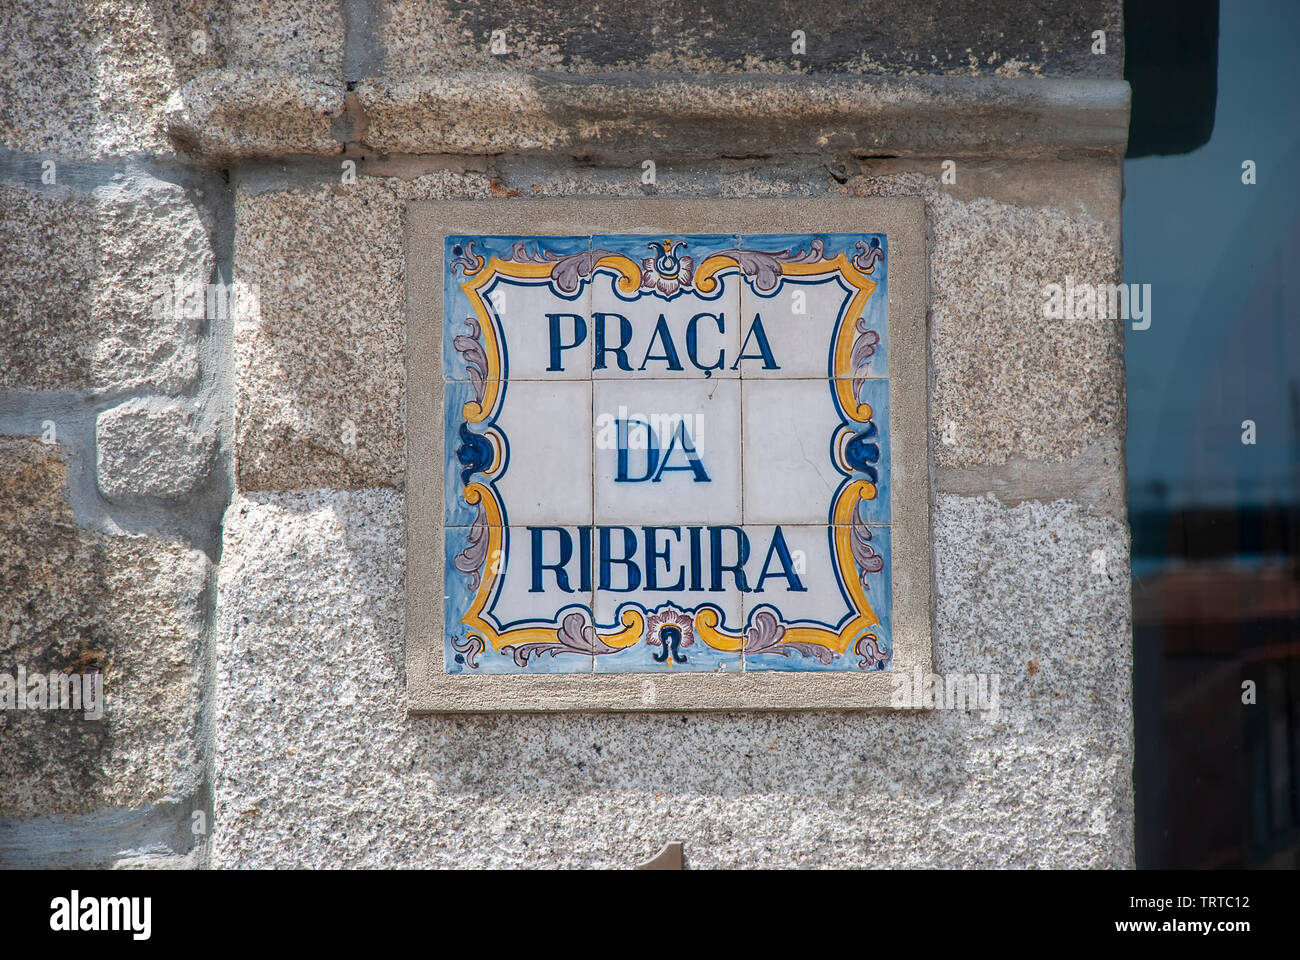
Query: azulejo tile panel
{"type": "Point", "coordinates": [666, 453]}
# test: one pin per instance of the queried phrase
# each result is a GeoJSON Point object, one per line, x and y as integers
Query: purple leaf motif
{"type": "Point", "coordinates": [476, 362]}
{"type": "Point", "coordinates": [519, 253]}
{"type": "Point", "coordinates": [764, 268]}
{"type": "Point", "coordinates": [766, 634]}
{"type": "Point", "coordinates": [472, 559]}
{"type": "Point", "coordinates": [864, 348]}
{"type": "Point", "coordinates": [569, 270]}
{"type": "Point", "coordinates": [864, 554]}
{"type": "Point", "coordinates": [575, 635]}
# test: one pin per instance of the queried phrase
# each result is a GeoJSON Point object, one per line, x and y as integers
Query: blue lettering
{"type": "Point", "coordinates": [757, 333]}
{"type": "Point", "coordinates": [692, 464]}
{"type": "Point", "coordinates": [653, 555]}
{"type": "Point", "coordinates": [782, 551]}
{"type": "Point", "coordinates": [557, 347]}
{"type": "Point", "coordinates": [664, 336]}
{"type": "Point", "coordinates": [619, 351]}
{"type": "Point", "coordinates": [738, 568]}
{"type": "Point", "coordinates": [692, 342]}
{"type": "Point", "coordinates": [566, 552]}
{"type": "Point", "coordinates": [607, 560]}
{"type": "Point", "coordinates": [651, 451]}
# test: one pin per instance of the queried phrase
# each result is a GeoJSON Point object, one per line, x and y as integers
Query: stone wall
{"type": "Point", "coordinates": [210, 509]}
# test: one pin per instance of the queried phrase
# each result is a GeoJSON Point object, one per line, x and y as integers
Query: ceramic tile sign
{"type": "Point", "coordinates": [666, 454]}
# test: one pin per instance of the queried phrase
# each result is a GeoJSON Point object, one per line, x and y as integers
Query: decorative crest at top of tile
{"type": "Point", "coordinates": [673, 271]}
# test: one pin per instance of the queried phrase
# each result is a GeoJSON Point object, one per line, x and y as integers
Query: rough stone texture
{"type": "Point", "coordinates": [280, 90]}
{"type": "Point", "coordinates": [151, 449]}
{"type": "Point", "coordinates": [299, 36]}
{"type": "Point", "coordinates": [227, 115]}
{"type": "Point", "coordinates": [988, 37]}
{"type": "Point", "coordinates": [91, 78]}
{"type": "Point", "coordinates": [1011, 381]}
{"type": "Point", "coordinates": [75, 600]}
{"type": "Point", "coordinates": [96, 78]}
{"type": "Point", "coordinates": [322, 354]}
{"type": "Point", "coordinates": [80, 272]}
{"type": "Point", "coordinates": [318, 763]}
{"type": "Point", "coordinates": [625, 118]}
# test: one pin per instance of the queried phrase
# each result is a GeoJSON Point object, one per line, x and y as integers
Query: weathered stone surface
{"type": "Point", "coordinates": [152, 449]}
{"type": "Point", "coordinates": [80, 274]}
{"type": "Point", "coordinates": [299, 36]}
{"type": "Point", "coordinates": [279, 90]}
{"type": "Point", "coordinates": [981, 38]}
{"type": "Point", "coordinates": [73, 600]}
{"type": "Point", "coordinates": [1095, 478]}
{"type": "Point", "coordinates": [628, 118]}
{"type": "Point", "coordinates": [310, 680]}
{"type": "Point", "coordinates": [108, 77]}
{"type": "Point", "coordinates": [91, 79]}
{"type": "Point", "coordinates": [229, 115]}
{"type": "Point", "coordinates": [94, 79]}
{"type": "Point", "coordinates": [1008, 380]}
{"type": "Point", "coordinates": [325, 362]}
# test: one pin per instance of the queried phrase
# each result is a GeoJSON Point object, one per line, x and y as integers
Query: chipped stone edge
{"type": "Point", "coordinates": [223, 116]}
{"type": "Point", "coordinates": [430, 690]}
